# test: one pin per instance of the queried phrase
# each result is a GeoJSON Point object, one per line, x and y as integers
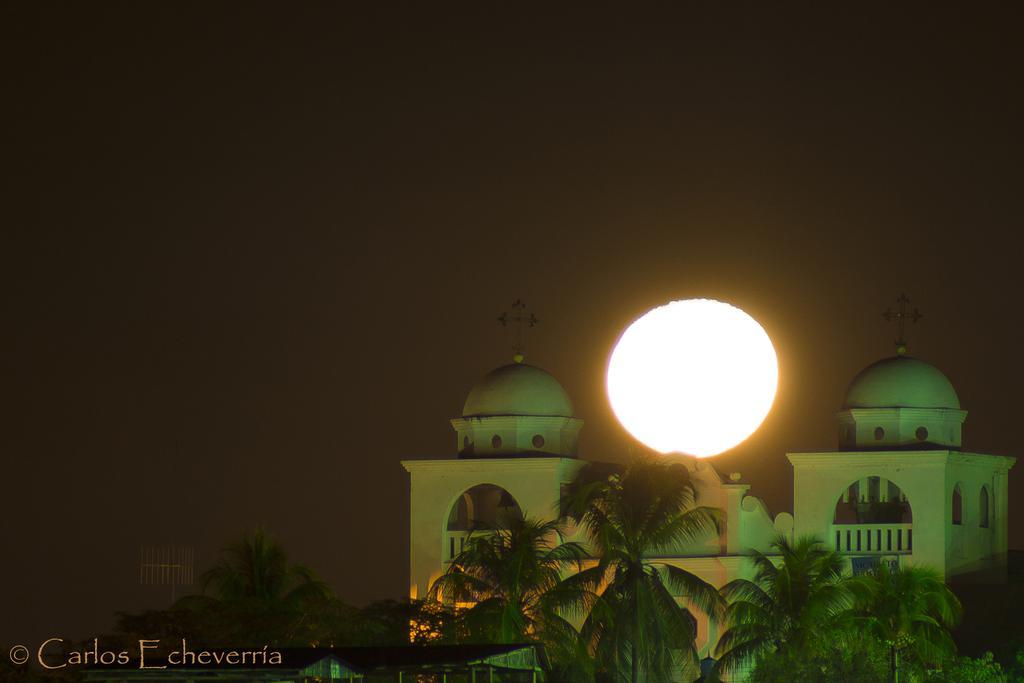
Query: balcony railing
{"type": "Point", "coordinates": [455, 541]}
{"type": "Point", "coordinates": [881, 539]}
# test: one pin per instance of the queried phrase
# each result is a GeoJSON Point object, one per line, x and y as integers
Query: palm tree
{"type": "Point", "coordinates": [254, 582]}
{"type": "Point", "coordinates": [792, 596]}
{"type": "Point", "coordinates": [632, 515]}
{"type": "Point", "coordinates": [513, 578]}
{"type": "Point", "coordinates": [908, 609]}
{"type": "Point", "coordinates": [257, 569]}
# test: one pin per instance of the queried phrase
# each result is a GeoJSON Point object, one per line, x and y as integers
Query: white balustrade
{"type": "Point", "coordinates": [869, 539]}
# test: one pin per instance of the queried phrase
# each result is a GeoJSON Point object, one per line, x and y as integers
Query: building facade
{"type": "Point", "coordinates": [899, 488]}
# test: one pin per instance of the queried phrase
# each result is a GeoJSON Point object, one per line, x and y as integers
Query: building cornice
{"type": "Point", "coordinates": [968, 458]}
{"type": "Point", "coordinates": [892, 413]}
{"type": "Point", "coordinates": [500, 421]}
{"type": "Point", "coordinates": [910, 459]}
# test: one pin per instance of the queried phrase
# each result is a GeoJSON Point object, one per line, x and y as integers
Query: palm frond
{"type": "Point", "coordinates": [696, 590]}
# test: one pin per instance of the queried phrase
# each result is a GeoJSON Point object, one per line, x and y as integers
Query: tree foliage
{"type": "Point", "coordinates": [983, 669]}
{"type": "Point", "coordinates": [837, 655]}
{"type": "Point", "coordinates": [512, 578]}
{"type": "Point", "coordinates": [254, 595]}
{"type": "Point", "coordinates": [910, 611]}
{"type": "Point", "coordinates": [792, 598]}
{"type": "Point", "coordinates": [799, 618]}
{"type": "Point", "coordinates": [636, 627]}
{"type": "Point", "coordinates": [802, 618]}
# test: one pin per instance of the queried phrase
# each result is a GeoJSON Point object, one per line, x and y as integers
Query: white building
{"type": "Point", "coordinates": [899, 488]}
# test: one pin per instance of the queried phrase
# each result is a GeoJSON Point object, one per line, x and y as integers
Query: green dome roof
{"type": "Point", "coordinates": [517, 389]}
{"type": "Point", "coordinates": [901, 382]}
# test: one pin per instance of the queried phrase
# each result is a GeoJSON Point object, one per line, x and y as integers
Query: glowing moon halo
{"type": "Point", "coordinates": [696, 376]}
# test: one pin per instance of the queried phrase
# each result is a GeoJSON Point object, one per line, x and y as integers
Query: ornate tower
{"type": "Point", "coordinates": [900, 488]}
{"type": "Point", "coordinates": [517, 410]}
{"type": "Point", "coordinates": [517, 441]}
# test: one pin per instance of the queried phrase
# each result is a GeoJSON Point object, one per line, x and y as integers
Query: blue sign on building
{"type": "Point", "coordinates": [864, 564]}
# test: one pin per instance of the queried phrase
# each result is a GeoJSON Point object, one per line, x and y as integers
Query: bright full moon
{"type": "Point", "coordinates": [696, 376]}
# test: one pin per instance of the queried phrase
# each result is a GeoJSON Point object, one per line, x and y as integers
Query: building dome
{"type": "Point", "coordinates": [517, 389]}
{"type": "Point", "coordinates": [901, 382]}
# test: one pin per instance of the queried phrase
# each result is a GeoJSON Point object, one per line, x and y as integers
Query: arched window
{"type": "Point", "coordinates": [483, 507]}
{"type": "Point", "coordinates": [873, 500]}
{"type": "Point", "coordinates": [958, 505]}
{"type": "Point", "coordinates": [983, 507]}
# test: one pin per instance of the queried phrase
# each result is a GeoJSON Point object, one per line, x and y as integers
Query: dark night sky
{"type": "Point", "coordinates": [253, 256]}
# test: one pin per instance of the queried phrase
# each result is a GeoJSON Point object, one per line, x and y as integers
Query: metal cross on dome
{"type": "Point", "coordinates": [901, 316]}
{"type": "Point", "coordinates": [521, 317]}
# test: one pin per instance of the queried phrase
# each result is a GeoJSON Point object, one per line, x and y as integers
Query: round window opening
{"type": "Point", "coordinates": [538, 441]}
{"type": "Point", "coordinates": [496, 441]}
{"type": "Point", "coordinates": [921, 433]}
{"type": "Point", "coordinates": [879, 433]}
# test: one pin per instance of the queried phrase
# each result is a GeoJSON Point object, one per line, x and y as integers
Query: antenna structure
{"type": "Point", "coordinates": [166, 565]}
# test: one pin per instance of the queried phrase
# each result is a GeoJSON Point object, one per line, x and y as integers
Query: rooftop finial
{"type": "Point", "coordinates": [521, 317]}
{"type": "Point", "coordinates": [901, 316]}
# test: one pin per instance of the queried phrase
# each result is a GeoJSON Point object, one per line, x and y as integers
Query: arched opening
{"type": "Point", "coordinates": [983, 507]}
{"type": "Point", "coordinates": [873, 500]}
{"type": "Point", "coordinates": [958, 505]}
{"type": "Point", "coordinates": [873, 517]}
{"type": "Point", "coordinates": [484, 506]}
{"type": "Point", "coordinates": [480, 508]}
